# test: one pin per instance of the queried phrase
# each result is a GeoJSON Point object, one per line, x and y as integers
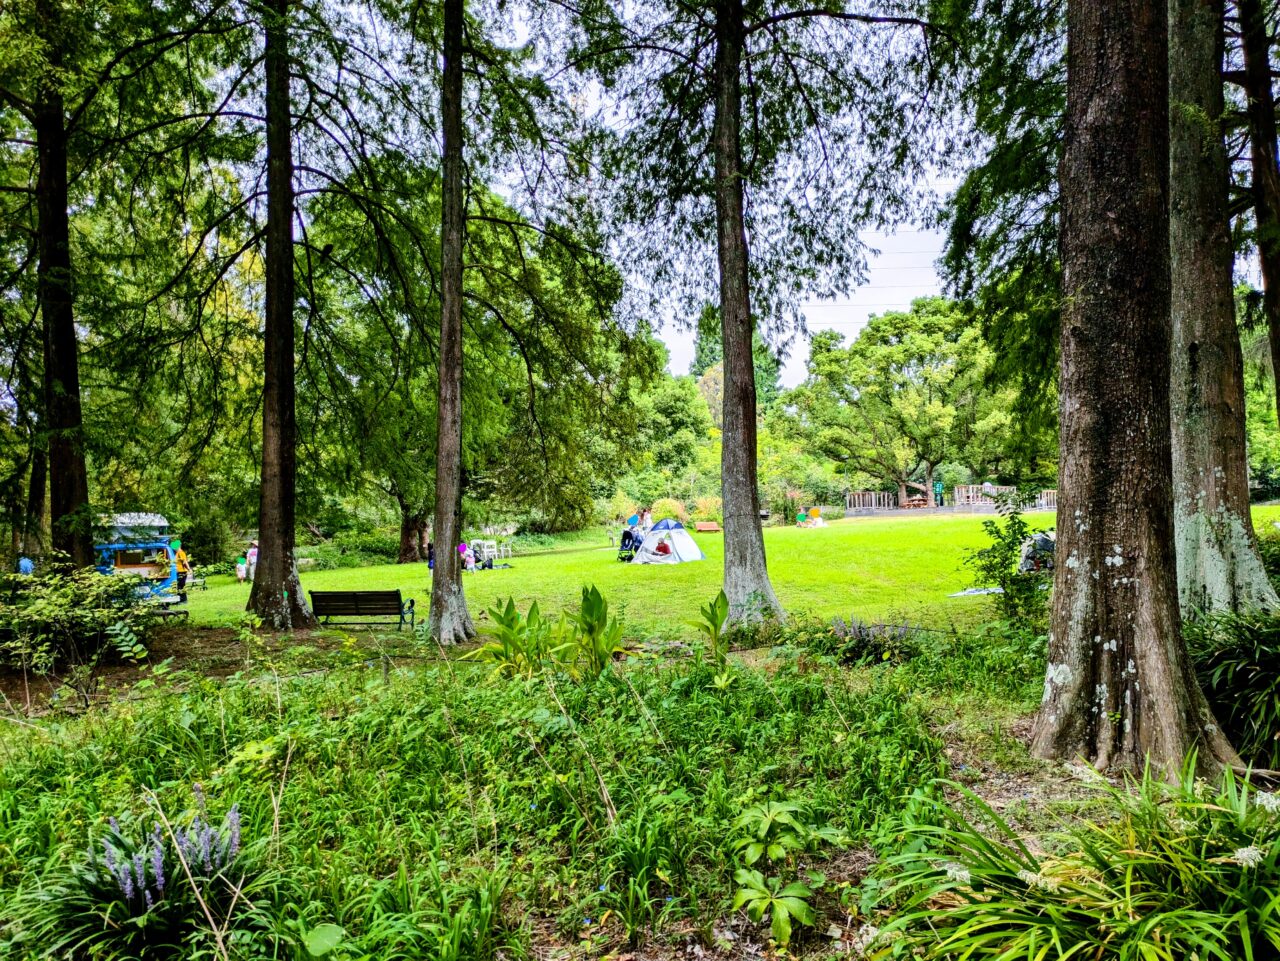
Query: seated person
{"type": "Point", "coordinates": [663, 547]}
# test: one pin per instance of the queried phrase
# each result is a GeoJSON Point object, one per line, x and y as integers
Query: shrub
{"type": "Point", "coordinates": [669, 507]}
{"type": "Point", "coordinates": [708, 509]}
{"type": "Point", "coordinates": [55, 618]}
{"type": "Point", "coordinates": [855, 642]}
{"type": "Point", "coordinates": [1236, 658]}
{"type": "Point", "coordinates": [1023, 597]}
{"type": "Point", "coordinates": [1185, 871]}
{"type": "Point", "coordinates": [354, 549]}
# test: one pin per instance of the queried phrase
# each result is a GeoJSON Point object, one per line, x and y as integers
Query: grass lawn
{"type": "Point", "coordinates": [881, 568]}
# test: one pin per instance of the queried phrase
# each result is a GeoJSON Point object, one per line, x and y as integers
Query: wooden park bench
{"type": "Point", "coordinates": [706, 527]}
{"type": "Point", "coordinates": [364, 604]}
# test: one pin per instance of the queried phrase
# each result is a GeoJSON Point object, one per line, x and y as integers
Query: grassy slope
{"type": "Point", "coordinates": [900, 567]}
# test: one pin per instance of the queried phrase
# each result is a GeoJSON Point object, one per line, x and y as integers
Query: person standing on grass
{"type": "Point", "coordinates": [242, 569]}
{"type": "Point", "coordinates": [252, 557]}
{"type": "Point", "coordinates": [182, 563]}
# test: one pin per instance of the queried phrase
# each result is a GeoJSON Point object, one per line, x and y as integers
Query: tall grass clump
{"type": "Point", "coordinates": [1190, 870]}
{"type": "Point", "coordinates": [1237, 660]}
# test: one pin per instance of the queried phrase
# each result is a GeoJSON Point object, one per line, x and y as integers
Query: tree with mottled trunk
{"type": "Point", "coordinates": [1119, 688]}
{"type": "Point", "coordinates": [63, 424]}
{"type": "Point", "coordinates": [1218, 563]}
{"type": "Point", "coordinates": [746, 577]}
{"type": "Point", "coordinates": [1255, 45]}
{"type": "Point", "coordinates": [413, 532]}
{"type": "Point", "coordinates": [450, 621]}
{"type": "Point", "coordinates": [276, 596]}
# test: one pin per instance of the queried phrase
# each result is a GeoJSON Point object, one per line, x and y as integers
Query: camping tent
{"type": "Point", "coordinates": [682, 545]}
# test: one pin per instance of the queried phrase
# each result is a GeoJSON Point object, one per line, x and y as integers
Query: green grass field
{"type": "Point", "coordinates": [882, 568]}
{"type": "Point", "coordinates": [895, 568]}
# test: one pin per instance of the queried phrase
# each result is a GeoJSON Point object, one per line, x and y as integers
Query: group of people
{"type": "Point", "coordinates": [247, 563]}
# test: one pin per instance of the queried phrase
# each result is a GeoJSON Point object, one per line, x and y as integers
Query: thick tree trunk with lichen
{"type": "Point", "coordinates": [1119, 688]}
{"type": "Point", "coordinates": [276, 596]}
{"type": "Point", "coordinates": [746, 576]}
{"type": "Point", "coordinates": [1218, 563]}
{"type": "Point", "coordinates": [450, 621]}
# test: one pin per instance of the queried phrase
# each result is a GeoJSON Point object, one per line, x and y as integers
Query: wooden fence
{"type": "Point", "coordinates": [856, 501]}
{"type": "Point", "coordinates": [984, 495]}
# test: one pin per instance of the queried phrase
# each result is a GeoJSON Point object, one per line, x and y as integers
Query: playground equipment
{"type": "Point", "coordinates": [154, 561]}
{"type": "Point", "coordinates": [139, 544]}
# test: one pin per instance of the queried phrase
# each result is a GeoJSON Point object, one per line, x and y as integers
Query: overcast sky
{"type": "Point", "coordinates": [902, 271]}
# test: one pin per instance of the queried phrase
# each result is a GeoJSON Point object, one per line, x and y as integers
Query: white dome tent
{"type": "Point", "coordinates": [673, 534]}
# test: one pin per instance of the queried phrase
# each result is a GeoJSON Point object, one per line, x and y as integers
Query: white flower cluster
{"type": "Point", "coordinates": [1247, 857]}
{"type": "Point", "coordinates": [864, 939]}
{"type": "Point", "coordinates": [1033, 880]}
{"type": "Point", "coordinates": [1268, 801]}
{"type": "Point", "coordinates": [958, 873]}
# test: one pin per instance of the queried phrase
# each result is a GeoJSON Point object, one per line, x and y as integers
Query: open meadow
{"type": "Point", "coordinates": [877, 568]}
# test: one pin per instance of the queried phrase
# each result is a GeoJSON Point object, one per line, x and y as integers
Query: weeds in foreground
{"type": "Point", "coordinates": [429, 815]}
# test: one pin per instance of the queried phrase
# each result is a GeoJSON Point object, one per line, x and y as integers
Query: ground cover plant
{"type": "Point", "coordinates": [1169, 872]}
{"type": "Point", "coordinates": [454, 810]}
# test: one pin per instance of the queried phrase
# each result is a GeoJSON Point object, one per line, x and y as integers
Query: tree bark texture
{"type": "Point", "coordinates": [413, 535]}
{"type": "Point", "coordinates": [33, 539]}
{"type": "Point", "coordinates": [450, 621]}
{"type": "Point", "coordinates": [71, 523]}
{"type": "Point", "coordinates": [1118, 688]}
{"type": "Point", "coordinates": [1218, 563]}
{"type": "Point", "coordinates": [277, 596]}
{"type": "Point", "coordinates": [1255, 46]}
{"type": "Point", "coordinates": [746, 576]}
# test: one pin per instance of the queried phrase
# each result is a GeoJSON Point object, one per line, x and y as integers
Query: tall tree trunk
{"type": "Point", "coordinates": [72, 531]}
{"type": "Point", "coordinates": [450, 621]}
{"type": "Point", "coordinates": [1256, 47]}
{"type": "Point", "coordinates": [14, 502]}
{"type": "Point", "coordinates": [276, 596]}
{"type": "Point", "coordinates": [33, 540]}
{"type": "Point", "coordinates": [746, 576]}
{"type": "Point", "coordinates": [1119, 689]}
{"type": "Point", "coordinates": [1218, 563]}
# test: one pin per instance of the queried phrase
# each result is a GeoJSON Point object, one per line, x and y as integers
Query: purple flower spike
{"type": "Point", "coordinates": [147, 894]}
{"type": "Point", "coordinates": [198, 791]}
{"type": "Point", "coordinates": [157, 867]}
{"type": "Point", "coordinates": [233, 824]}
{"type": "Point", "coordinates": [109, 856]}
{"type": "Point", "coordinates": [115, 825]}
{"type": "Point", "coordinates": [140, 870]}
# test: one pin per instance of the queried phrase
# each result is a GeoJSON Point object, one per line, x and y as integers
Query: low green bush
{"type": "Point", "coordinates": [57, 617]}
{"type": "Point", "coordinates": [1185, 871]}
{"type": "Point", "coordinates": [353, 549]}
{"type": "Point", "coordinates": [858, 643]}
{"type": "Point", "coordinates": [1024, 596]}
{"type": "Point", "coordinates": [1237, 660]}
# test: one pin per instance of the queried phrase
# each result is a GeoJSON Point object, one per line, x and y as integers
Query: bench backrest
{"type": "Point", "coordinates": [355, 603]}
